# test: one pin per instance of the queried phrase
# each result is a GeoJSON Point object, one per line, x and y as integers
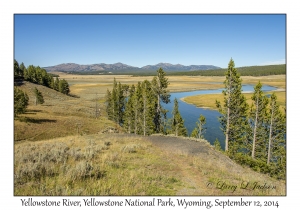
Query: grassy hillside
{"type": "Point", "coordinates": [59, 116]}
{"type": "Point", "coordinates": [121, 164]}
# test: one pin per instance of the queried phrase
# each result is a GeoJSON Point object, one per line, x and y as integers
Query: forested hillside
{"type": "Point", "coordinates": [36, 75]}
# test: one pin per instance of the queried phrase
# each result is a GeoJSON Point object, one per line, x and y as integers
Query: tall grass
{"type": "Point", "coordinates": [90, 166]}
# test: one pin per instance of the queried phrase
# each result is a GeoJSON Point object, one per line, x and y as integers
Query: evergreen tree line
{"type": "Point", "coordinates": [38, 75]}
{"type": "Point", "coordinates": [138, 108]}
{"type": "Point", "coordinates": [244, 71]}
{"type": "Point", "coordinates": [254, 134]}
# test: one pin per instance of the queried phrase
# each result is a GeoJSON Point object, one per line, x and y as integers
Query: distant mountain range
{"type": "Point", "coordinates": [119, 67]}
{"type": "Point", "coordinates": [179, 67]}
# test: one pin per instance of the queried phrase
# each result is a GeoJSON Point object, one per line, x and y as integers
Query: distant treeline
{"type": "Point", "coordinates": [244, 71]}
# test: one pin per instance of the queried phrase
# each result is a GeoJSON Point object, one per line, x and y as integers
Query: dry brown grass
{"type": "Point", "coordinates": [91, 84]}
{"type": "Point", "coordinates": [92, 165]}
{"type": "Point", "coordinates": [272, 80]}
{"type": "Point", "coordinates": [59, 116]}
{"type": "Point", "coordinates": [127, 165]}
{"type": "Point", "coordinates": [209, 101]}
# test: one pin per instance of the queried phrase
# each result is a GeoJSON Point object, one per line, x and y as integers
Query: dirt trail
{"type": "Point", "coordinates": [194, 181]}
{"type": "Point", "coordinates": [178, 144]}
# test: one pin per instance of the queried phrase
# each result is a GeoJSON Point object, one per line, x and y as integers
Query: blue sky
{"type": "Point", "coordinates": [139, 40]}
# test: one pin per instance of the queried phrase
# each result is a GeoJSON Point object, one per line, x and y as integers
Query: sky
{"type": "Point", "coordinates": [139, 39]}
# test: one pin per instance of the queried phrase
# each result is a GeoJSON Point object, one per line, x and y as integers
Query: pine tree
{"type": "Point", "coordinates": [277, 130]}
{"type": "Point", "coordinates": [20, 101]}
{"type": "Point", "coordinates": [234, 122]}
{"type": "Point", "coordinates": [148, 107]}
{"type": "Point", "coordinates": [63, 87]}
{"type": "Point", "coordinates": [39, 99]}
{"type": "Point", "coordinates": [114, 101]}
{"type": "Point", "coordinates": [16, 68]}
{"type": "Point", "coordinates": [120, 104]}
{"type": "Point", "coordinates": [56, 84]}
{"type": "Point", "coordinates": [217, 145]}
{"type": "Point", "coordinates": [258, 113]}
{"type": "Point", "coordinates": [108, 105]}
{"type": "Point", "coordinates": [159, 86]}
{"type": "Point", "coordinates": [52, 83]}
{"type": "Point", "coordinates": [31, 74]}
{"type": "Point", "coordinates": [117, 102]}
{"type": "Point", "coordinates": [22, 69]}
{"type": "Point", "coordinates": [199, 129]}
{"type": "Point", "coordinates": [26, 75]}
{"type": "Point", "coordinates": [39, 76]}
{"type": "Point", "coordinates": [137, 108]}
{"type": "Point", "coordinates": [129, 111]}
{"type": "Point", "coordinates": [177, 126]}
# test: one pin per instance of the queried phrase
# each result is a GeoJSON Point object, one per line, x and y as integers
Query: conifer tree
{"type": "Point", "coordinates": [56, 84]}
{"type": "Point", "coordinates": [39, 99]}
{"type": "Point", "coordinates": [199, 130]}
{"type": "Point", "coordinates": [159, 86]}
{"type": "Point", "coordinates": [217, 145]}
{"type": "Point", "coordinates": [129, 111]}
{"type": "Point", "coordinates": [120, 104]}
{"type": "Point", "coordinates": [258, 114]}
{"type": "Point", "coordinates": [20, 101]}
{"type": "Point", "coordinates": [26, 75]}
{"type": "Point", "coordinates": [148, 108]}
{"type": "Point", "coordinates": [22, 69]}
{"type": "Point", "coordinates": [277, 130]}
{"type": "Point", "coordinates": [16, 68]}
{"type": "Point", "coordinates": [177, 126]}
{"type": "Point", "coordinates": [114, 101]}
{"type": "Point", "coordinates": [117, 102]}
{"type": "Point", "coordinates": [234, 122]}
{"type": "Point", "coordinates": [108, 105]}
{"type": "Point", "coordinates": [31, 74]}
{"type": "Point", "coordinates": [63, 87]}
{"type": "Point", "coordinates": [137, 104]}
{"type": "Point", "coordinates": [52, 85]}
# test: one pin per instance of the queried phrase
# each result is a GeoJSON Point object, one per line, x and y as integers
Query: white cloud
{"type": "Point", "coordinates": [280, 61]}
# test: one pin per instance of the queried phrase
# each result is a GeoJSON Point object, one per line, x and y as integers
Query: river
{"type": "Point", "coordinates": [190, 113]}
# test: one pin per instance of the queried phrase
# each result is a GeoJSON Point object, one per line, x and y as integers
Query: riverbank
{"type": "Point", "coordinates": [208, 101]}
